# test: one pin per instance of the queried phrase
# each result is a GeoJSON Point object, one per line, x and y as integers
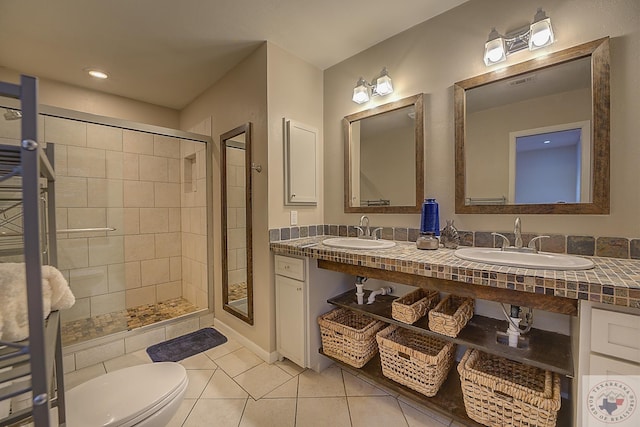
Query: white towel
{"type": "Point", "coordinates": [14, 322]}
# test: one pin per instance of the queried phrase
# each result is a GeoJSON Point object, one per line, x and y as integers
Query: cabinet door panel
{"type": "Point", "coordinates": [599, 365]}
{"type": "Point", "coordinates": [290, 323]}
{"type": "Point", "coordinates": [616, 334]}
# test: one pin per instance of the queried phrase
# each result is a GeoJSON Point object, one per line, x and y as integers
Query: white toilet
{"type": "Point", "coordinates": [142, 396]}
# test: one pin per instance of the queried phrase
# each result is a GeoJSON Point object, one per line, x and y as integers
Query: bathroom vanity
{"type": "Point", "coordinates": [613, 284]}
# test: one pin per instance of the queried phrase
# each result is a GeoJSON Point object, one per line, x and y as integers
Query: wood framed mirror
{"type": "Point", "coordinates": [237, 260]}
{"type": "Point", "coordinates": [533, 138]}
{"type": "Point", "coordinates": [384, 158]}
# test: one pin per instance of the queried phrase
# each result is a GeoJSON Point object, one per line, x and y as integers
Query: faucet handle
{"type": "Point", "coordinates": [532, 242]}
{"type": "Point", "coordinates": [505, 240]}
{"type": "Point", "coordinates": [375, 230]}
{"type": "Point", "coordinates": [360, 232]}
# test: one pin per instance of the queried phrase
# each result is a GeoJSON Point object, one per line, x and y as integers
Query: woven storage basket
{"type": "Point", "coordinates": [500, 392]}
{"type": "Point", "coordinates": [451, 315]}
{"type": "Point", "coordinates": [414, 305]}
{"type": "Point", "coordinates": [349, 336]}
{"type": "Point", "coordinates": [417, 361]}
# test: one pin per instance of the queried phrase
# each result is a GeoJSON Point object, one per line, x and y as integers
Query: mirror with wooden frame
{"type": "Point", "coordinates": [384, 158]}
{"type": "Point", "coordinates": [533, 138]}
{"type": "Point", "coordinates": [235, 180]}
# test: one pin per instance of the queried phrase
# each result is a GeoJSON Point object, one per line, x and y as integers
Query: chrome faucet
{"type": "Point", "coordinates": [364, 232]}
{"type": "Point", "coordinates": [518, 245]}
{"type": "Point", "coordinates": [518, 233]}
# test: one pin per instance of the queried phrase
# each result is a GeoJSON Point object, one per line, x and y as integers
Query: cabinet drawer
{"type": "Point", "coordinates": [616, 334]}
{"type": "Point", "coordinates": [290, 267]}
{"type": "Point", "coordinates": [599, 365]}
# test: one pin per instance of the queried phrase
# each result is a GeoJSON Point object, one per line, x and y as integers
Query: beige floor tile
{"type": "Point", "coordinates": [355, 386]}
{"type": "Point", "coordinates": [223, 349]}
{"type": "Point", "coordinates": [262, 379]}
{"type": "Point", "coordinates": [328, 383]}
{"type": "Point", "coordinates": [416, 418]}
{"type": "Point", "coordinates": [377, 411]}
{"type": "Point", "coordinates": [442, 419]}
{"type": "Point", "coordinates": [80, 376]}
{"type": "Point", "coordinates": [198, 379]}
{"type": "Point", "coordinates": [269, 413]}
{"type": "Point", "coordinates": [216, 412]}
{"type": "Point", "coordinates": [289, 367]}
{"type": "Point", "coordinates": [374, 383]}
{"type": "Point", "coordinates": [131, 359]}
{"type": "Point", "coordinates": [222, 386]}
{"type": "Point", "coordinates": [238, 361]}
{"type": "Point", "coordinates": [328, 411]}
{"type": "Point", "coordinates": [198, 361]}
{"type": "Point", "coordinates": [288, 389]}
{"type": "Point", "coordinates": [183, 412]}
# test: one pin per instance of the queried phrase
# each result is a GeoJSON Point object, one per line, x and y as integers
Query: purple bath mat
{"type": "Point", "coordinates": [185, 346]}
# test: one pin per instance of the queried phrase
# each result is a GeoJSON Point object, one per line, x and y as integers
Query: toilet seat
{"type": "Point", "coordinates": [125, 397]}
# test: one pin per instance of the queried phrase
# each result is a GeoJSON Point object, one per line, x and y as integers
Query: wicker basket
{"type": "Point", "coordinates": [417, 361]}
{"type": "Point", "coordinates": [414, 305]}
{"type": "Point", "coordinates": [349, 336]}
{"type": "Point", "coordinates": [451, 315]}
{"type": "Point", "coordinates": [500, 392]}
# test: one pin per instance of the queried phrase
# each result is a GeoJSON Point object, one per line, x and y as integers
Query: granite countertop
{"type": "Point", "coordinates": [612, 280]}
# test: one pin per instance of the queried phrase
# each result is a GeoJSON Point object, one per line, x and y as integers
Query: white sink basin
{"type": "Point", "coordinates": [540, 260]}
{"type": "Point", "coordinates": [355, 243]}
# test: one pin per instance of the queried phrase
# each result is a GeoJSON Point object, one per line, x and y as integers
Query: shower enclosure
{"type": "Point", "coordinates": [131, 215]}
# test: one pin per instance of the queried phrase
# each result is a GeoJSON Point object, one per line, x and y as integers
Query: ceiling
{"type": "Point", "coordinates": [167, 52]}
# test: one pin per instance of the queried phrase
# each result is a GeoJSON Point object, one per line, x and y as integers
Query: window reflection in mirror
{"type": "Point", "coordinates": [384, 158]}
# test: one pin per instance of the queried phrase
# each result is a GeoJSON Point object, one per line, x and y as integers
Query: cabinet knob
{"type": "Point", "coordinates": [286, 267]}
{"type": "Point", "coordinates": [298, 289]}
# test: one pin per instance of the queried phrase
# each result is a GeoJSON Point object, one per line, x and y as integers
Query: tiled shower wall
{"type": "Point", "coordinates": [194, 223]}
{"type": "Point", "coordinates": [236, 216]}
{"type": "Point", "coordinates": [128, 180]}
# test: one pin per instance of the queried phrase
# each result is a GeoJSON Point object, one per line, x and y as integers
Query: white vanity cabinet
{"type": "Point", "coordinates": [609, 344]}
{"type": "Point", "coordinates": [302, 291]}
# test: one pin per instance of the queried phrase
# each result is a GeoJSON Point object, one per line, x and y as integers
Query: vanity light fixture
{"type": "Point", "coordinates": [380, 86]}
{"type": "Point", "coordinates": [98, 74]}
{"type": "Point", "coordinates": [538, 34]}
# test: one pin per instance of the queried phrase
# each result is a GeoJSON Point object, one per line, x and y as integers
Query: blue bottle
{"type": "Point", "coordinates": [430, 221]}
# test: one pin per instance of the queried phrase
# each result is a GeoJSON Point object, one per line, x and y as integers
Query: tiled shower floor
{"type": "Point", "coordinates": [124, 320]}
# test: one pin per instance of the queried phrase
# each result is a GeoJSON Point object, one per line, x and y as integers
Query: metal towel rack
{"type": "Point", "coordinates": [86, 230]}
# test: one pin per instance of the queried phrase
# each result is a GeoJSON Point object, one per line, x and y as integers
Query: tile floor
{"type": "Point", "coordinates": [231, 386]}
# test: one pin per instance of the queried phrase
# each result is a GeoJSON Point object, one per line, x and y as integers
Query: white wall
{"type": "Point", "coordinates": [432, 56]}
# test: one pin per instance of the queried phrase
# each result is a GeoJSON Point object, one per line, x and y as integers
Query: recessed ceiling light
{"type": "Point", "coordinates": [97, 74]}
{"type": "Point", "coordinates": [547, 142]}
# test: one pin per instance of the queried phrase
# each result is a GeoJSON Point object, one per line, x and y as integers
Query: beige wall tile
{"type": "Point", "coordinates": [131, 166]}
{"type": "Point", "coordinates": [141, 296]}
{"type": "Point", "coordinates": [131, 221]}
{"type": "Point", "coordinates": [115, 164]}
{"type": "Point", "coordinates": [71, 192]}
{"type": "Point", "coordinates": [173, 170]}
{"type": "Point", "coordinates": [80, 310]}
{"type": "Point", "coordinates": [166, 146]}
{"type": "Point", "coordinates": [140, 247]}
{"type": "Point", "coordinates": [105, 137]}
{"type": "Point", "coordinates": [154, 220]}
{"type": "Point", "coordinates": [167, 195]}
{"type": "Point", "coordinates": [174, 219]}
{"type": "Point", "coordinates": [86, 162]}
{"type": "Point", "coordinates": [236, 238]}
{"type": "Point", "coordinates": [68, 132]}
{"type": "Point", "coordinates": [202, 299]}
{"type": "Point", "coordinates": [175, 268]}
{"type": "Point", "coordinates": [169, 290]}
{"type": "Point", "coordinates": [60, 162]}
{"type": "Point", "coordinates": [73, 253]}
{"type": "Point", "coordinates": [86, 282]}
{"type": "Point", "coordinates": [153, 168]}
{"type": "Point", "coordinates": [117, 278]}
{"type": "Point", "coordinates": [154, 271]}
{"type": "Point", "coordinates": [108, 303]}
{"type": "Point", "coordinates": [138, 194]}
{"type": "Point", "coordinates": [99, 354]}
{"type": "Point", "coordinates": [105, 192]}
{"type": "Point", "coordinates": [10, 129]}
{"type": "Point", "coordinates": [132, 275]}
{"type": "Point", "coordinates": [61, 220]}
{"type": "Point", "coordinates": [115, 219]}
{"type": "Point", "coordinates": [168, 245]}
{"type": "Point", "coordinates": [106, 250]}
{"type": "Point", "coordinates": [86, 217]}
{"type": "Point", "coordinates": [182, 328]}
{"type": "Point", "coordinates": [144, 340]}
{"type": "Point", "coordinates": [137, 142]}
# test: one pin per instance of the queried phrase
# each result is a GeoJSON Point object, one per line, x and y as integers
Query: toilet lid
{"type": "Point", "coordinates": [122, 395]}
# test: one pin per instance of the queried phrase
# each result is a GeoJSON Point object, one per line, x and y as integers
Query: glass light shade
{"type": "Point", "coordinates": [98, 74]}
{"type": "Point", "coordinates": [360, 92]}
{"type": "Point", "coordinates": [541, 34]}
{"type": "Point", "coordinates": [494, 51]}
{"type": "Point", "coordinates": [383, 85]}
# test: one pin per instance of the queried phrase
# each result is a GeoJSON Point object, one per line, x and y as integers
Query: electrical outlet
{"type": "Point", "coordinates": [294, 217]}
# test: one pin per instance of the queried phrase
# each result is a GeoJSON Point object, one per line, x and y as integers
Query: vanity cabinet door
{"type": "Point", "coordinates": [290, 319]}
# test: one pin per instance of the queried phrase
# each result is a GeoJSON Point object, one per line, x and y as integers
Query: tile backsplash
{"type": "Point", "coordinates": [602, 246]}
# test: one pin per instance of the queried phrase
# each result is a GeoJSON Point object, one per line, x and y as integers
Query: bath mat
{"type": "Point", "coordinates": [185, 346]}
